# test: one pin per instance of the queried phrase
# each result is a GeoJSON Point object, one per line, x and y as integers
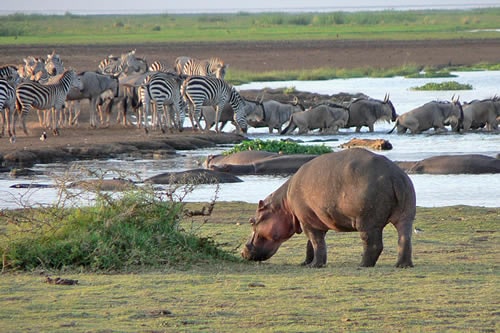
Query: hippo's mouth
{"type": "Point", "coordinates": [250, 252]}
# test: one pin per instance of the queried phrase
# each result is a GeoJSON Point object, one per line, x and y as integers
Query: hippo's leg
{"type": "Point", "coordinates": [372, 247]}
{"type": "Point", "coordinates": [316, 248]}
{"type": "Point", "coordinates": [404, 244]}
{"type": "Point", "coordinates": [309, 254]}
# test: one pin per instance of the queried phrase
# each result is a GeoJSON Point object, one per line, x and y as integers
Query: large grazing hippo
{"type": "Point", "coordinates": [350, 190]}
{"type": "Point", "coordinates": [453, 164]}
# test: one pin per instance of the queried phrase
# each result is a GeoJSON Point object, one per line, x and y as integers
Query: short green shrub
{"type": "Point", "coordinates": [279, 146]}
{"type": "Point", "coordinates": [139, 229]}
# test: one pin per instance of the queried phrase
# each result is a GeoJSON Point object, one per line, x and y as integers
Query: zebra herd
{"type": "Point", "coordinates": [161, 95]}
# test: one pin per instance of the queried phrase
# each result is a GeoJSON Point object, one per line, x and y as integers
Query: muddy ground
{"type": "Point", "coordinates": [250, 56]}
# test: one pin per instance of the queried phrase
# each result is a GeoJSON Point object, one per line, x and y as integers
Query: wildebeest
{"type": "Point", "coordinates": [435, 114]}
{"type": "Point", "coordinates": [326, 118]}
{"type": "Point", "coordinates": [93, 85]}
{"type": "Point", "coordinates": [346, 191]}
{"type": "Point", "coordinates": [273, 114]}
{"type": "Point", "coordinates": [367, 111]}
{"type": "Point", "coordinates": [227, 113]}
{"type": "Point", "coordinates": [480, 113]}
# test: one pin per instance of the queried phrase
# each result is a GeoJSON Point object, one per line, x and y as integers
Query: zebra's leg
{"type": "Point", "coordinates": [54, 112]}
{"type": "Point", "coordinates": [41, 118]}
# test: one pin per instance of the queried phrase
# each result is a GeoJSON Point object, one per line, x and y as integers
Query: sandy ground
{"type": "Point", "coordinates": [250, 56]}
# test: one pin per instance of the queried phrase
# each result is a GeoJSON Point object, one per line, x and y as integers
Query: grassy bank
{"type": "Point", "coordinates": [452, 287]}
{"type": "Point", "coordinates": [17, 29]}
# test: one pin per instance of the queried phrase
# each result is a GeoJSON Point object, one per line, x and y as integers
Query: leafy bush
{"type": "Point", "coordinates": [448, 85]}
{"type": "Point", "coordinates": [140, 229]}
{"type": "Point", "coordinates": [279, 146]}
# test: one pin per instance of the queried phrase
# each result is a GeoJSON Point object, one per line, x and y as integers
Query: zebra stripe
{"type": "Point", "coordinates": [54, 64]}
{"type": "Point", "coordinates": [162, 88]}
{"type": "Point", "coordinates": [51, 96]}
{"type": "Point", "coordinates": [7, 101]}
{"type": "Point", "coordinates": [204, 90]}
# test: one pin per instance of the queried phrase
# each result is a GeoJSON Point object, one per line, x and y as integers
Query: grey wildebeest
{"type": "Point", "coordinates": [93, 85]}
{"type": "Point", "coordinates": [227, 114]}
{"type": "Point", "coordinates": [367, 111]}
{"type": "Point", "coordinates": [480, 113]}
{"type": "Point", "coordinates": [435, 114]}
{"type": "Point", "coordinates": [327, 118]}
{"type": "Point", "coordinates": [273, 114]}
{"type": "Point", "coordinates": [346, 191]}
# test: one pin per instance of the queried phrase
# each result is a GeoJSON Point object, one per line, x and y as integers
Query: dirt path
{"type": "Point", "coordinates": [282, 55]}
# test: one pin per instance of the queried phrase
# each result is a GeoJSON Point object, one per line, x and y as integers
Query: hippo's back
{"type": "Point", "coordinates": [352, 184]}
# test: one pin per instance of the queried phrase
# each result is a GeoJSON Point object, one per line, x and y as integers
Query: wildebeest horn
{"type": "Point", "coordinates": [386, 97]}
{"type": "Point", "coordinates": [262, 99]}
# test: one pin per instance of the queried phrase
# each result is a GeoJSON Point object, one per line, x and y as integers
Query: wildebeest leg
{"type": "Point", "coordinates": [316, 247]}
{"type": "Point", "coordinates": [372, 247]}
{"type": "Point", "coordinates": [404, 244]}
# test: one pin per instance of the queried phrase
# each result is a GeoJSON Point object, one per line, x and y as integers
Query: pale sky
{"type": "Point", "coordinates": [166, 6]}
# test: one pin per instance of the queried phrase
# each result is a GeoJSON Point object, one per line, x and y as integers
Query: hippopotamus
{"type": "Point", "coordinates": [453, 164]}
{"type": "Point", "coordinates": [194, 176]}
{"type": "Point", "coordinates": [279, 165]}
{"type": "Point", "coordinates": [346, 191]}
{"type": "Point", "coordinates": [238, 158]}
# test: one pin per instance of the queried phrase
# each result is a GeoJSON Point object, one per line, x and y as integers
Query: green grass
{"type": "Point", "coordinates": [18, 29]}
{"type": "Point", "coordinates": [447, 85]}
{"type": "Point", "coordinates": [452, 288]}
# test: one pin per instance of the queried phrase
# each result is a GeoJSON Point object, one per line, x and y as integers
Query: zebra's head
{"type": "Point", "coordinates": [54, 64]}
{"type": "Point", "coordinates": [239, 105]}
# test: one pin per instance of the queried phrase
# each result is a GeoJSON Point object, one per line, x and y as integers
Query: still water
{"type": "Point", "coordinates": [432, 190]}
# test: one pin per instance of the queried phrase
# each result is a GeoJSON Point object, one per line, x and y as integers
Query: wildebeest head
{"type": "Point", "coordinates": [387, 101]}
{"type": "Point", "coordinates": [457, 114]}
{"type": "Point", "coordinates": [271, 227]}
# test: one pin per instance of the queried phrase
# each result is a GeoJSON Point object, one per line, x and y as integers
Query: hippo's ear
{"type": "Point", "coordinates": [261, 204]}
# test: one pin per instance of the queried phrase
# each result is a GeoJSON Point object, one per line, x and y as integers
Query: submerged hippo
{"type": "Point", "coordinates": [453, 164]}
{"type": "Point", "coordinates": [350, 190]}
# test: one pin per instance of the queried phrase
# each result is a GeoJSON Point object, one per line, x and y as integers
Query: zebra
{"type": "Point", "coordinates": [10, 73]}
{"type": "Point", "coordinates": [213, 67]}
{"type": "Point", "coordinates": [126, 64]}
{"type": "Point", "coordinates": [204, 90]}
{"type": "Point", "coordinates": [54, 64]}
{"type": "Point", "coordinates": [163, 88]}
{"type": "Point", "coordinates": [51, 96]}
{"type": "Point", "coordinates": [179, 64]}
{"type": "Point", "coordinates": [216, 66]}
{"type": "Point", "coordinates": [34, 69]}
{"type": "Point", "coordinates": [7, 102]}
{"type": "Point", "coordinates": [109, 65]}
{"type": "Point", "coordinates": [159, 66]}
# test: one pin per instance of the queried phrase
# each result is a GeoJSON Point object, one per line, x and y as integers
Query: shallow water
{"type": "Point", "coordinates": [432, 190]}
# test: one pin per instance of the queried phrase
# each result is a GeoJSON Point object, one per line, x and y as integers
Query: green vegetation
{"type": "Point", "coordinates": [448, 85]}
{"type": "Point", "coordinates": [452, 288]}
{"type": "Point", "coordinates": [17, 29]}
{"type": "Point", "coordinates": [279, 146]}
{"type": "Point", "coordinates": [138, 229]}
